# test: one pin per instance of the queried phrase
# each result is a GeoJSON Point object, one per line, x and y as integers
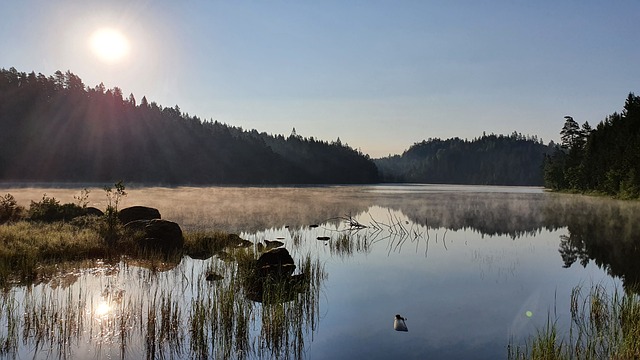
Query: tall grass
{"type": "Point", "coordinates": [26, 247]}
{"type": "Point", "coordinates": [9, 320]}
{"type": "Point", "coordinates": [128, 311]}
{"type": "Point", "coordinates": [603, 326]}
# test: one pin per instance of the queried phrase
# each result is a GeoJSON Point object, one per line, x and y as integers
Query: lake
{"type": "Point", "coordinates": [471, 268]}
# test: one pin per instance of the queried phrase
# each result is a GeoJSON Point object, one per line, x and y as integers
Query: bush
{"type": "Point", "coordinates": [49, 210]}
{"type": "Point", "coordinates": [113, 227]}
{"type": "Point", "coordinates": [9, 209]}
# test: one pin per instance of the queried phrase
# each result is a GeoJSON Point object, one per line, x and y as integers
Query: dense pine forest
{"type": "Point", "coordinates": [56, 129]}
{"type": "Point", "coordinates": [604, 160]}
{"type": "Point", "coordinates": [488, 160]}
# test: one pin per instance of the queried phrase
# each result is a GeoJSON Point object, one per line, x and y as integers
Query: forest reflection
{"type": "Point", "coordinates": [601, 230]}
{"type": "Point", "coordinates": [604, 231]}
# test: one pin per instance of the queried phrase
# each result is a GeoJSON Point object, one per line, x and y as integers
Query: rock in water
{"type": "Point", "coordinates": [158, 234]}
{"type": "Point", "coordinates": [273, 244]}
{"type": "Point", "coordinates": [399, 323]}
{"type": "Point", "coordinates": [211, 276]}
{"type": "Point", "coordinates": [276, 262]}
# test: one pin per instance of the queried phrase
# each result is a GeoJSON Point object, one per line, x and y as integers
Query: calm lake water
{"type": "Point", "coordinates": [471, 268]}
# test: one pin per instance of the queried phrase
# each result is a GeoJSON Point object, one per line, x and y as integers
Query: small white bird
{"type": "Point", "coordinates": [399, 324]}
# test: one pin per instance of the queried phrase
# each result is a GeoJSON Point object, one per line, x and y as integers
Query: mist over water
{"type": "Point", "coordinates": [468, 266]}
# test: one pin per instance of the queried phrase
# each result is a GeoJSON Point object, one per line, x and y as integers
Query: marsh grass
{"type": "Point", "coordinates": [205, 243]}
{"type": "Point", "coordinates": [26, 248]}
{"type": "Point", "coordinates": [9, 320]}
{"type": "Point", "coordinates": [33, 252]}
{"type": "Point", "coordinates": [56, 312]}
{"type": "Point", "coordinates": [224, 323]}
{"type": "Point", "coordinates": [286, 321]}
{"type": "Point", "coordinates": [347, 244]}
{"type": "Point", "coordinates": [128, 311]}
{"type": "Point", "coordinates": [603, 326]}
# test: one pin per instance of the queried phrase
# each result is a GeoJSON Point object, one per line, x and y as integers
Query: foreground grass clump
{"type": "Point", "coordinates": [26, 245]}
{"type": "Point", "coordinates": [603, 326]}
{"type": "Point", "coordinates": [31, 251]}
{"type": "Point", "coordinates": [206, 243]}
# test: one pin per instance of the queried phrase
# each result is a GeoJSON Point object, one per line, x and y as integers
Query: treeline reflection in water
{"type": "Point", "coordinates": [602, 230]}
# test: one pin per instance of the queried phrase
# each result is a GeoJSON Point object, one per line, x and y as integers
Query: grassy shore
{"type": "Point", "coordinates": [26, 247]}
{"type": "Point", "coordinates": [30, 251]}
{"type": "Point", "coordinates": [594, 193]}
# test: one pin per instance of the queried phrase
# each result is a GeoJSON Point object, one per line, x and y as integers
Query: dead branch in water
{"type": "Point", "coordinates": [353, 223]}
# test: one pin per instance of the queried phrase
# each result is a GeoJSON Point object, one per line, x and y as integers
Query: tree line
{"type": "Point", "coordinates": [515, 159]}
{"type": "Point", "coordinates": [603, 160]}
{"type": "Point", "coordinates": [57, 129]}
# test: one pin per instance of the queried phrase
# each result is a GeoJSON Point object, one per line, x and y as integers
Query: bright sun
{"type": "Point", "coordinates": [109, 45]}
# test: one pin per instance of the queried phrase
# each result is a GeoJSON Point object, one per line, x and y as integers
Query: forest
{"type": "Point", "coordinates": [602, 160]}
{"type": "Point", "coordinates": [489, 160]}
{"type": "Point", "coordinates": [57, 129]}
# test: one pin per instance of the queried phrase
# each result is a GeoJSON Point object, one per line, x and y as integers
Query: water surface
{"type": "Point", "coordinates": [470, 267]}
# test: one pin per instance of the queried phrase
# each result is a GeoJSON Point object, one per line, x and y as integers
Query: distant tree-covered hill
{"type": "Point", "coordinates": [605, 159]}
{"type": "Point", "coordinates": [488, 160]}
{"type": "Point", "coordinates": [57, 129]}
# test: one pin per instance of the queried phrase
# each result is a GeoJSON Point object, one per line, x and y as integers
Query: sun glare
{"type": "Point", "coordinates": [109, 45]}
{"type": "Point", "coordinates": [102, 309]}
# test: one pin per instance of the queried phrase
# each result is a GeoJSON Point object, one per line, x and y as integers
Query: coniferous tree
{"type": "Point", "coordinates": [57, 129]}
{"type": "Point", "coordinates": [605, 159]}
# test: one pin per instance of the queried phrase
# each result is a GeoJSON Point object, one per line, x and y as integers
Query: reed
{"type": "Point", "coordinates": [9, 320]}
{"type": "Point", "coordinates": [603, 326]}
{"type": "Point", "coordinates": [346, 245]}
{"type": "Point", "coordinates": [131, 306]}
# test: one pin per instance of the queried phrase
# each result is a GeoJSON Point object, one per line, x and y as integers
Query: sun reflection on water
{"type": "Point", "coordinates": [102, 309]}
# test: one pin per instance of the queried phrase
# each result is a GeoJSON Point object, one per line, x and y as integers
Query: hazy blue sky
{"type": "Point", "coordinates": [380, 75]}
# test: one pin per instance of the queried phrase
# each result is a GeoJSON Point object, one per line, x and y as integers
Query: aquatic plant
{"type": "Point", "coordinates": [122, 309]}
{"type": "Point", "coordinates": [603, 326]}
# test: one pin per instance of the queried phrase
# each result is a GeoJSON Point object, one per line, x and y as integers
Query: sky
{"type": "Point", "coordinates": [379, 75]}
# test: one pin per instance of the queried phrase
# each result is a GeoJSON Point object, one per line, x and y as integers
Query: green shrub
{"type": "Point", "coordinates": [9, 209]}
{"type": "Point", "coordinates": [49, 209]}
{"type": "Point", "coordinates": [113, 227]}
